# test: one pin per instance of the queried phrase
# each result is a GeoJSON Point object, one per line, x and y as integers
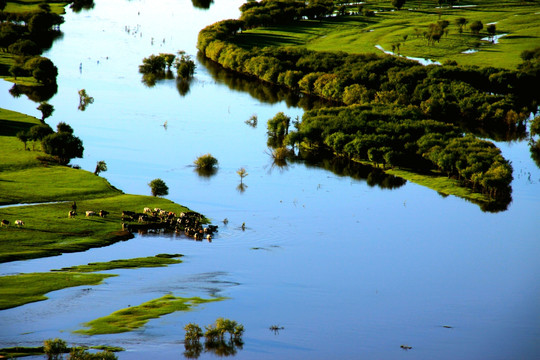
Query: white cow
{"type": "Point", "coordinates": [90, 213]}
{"type": "Point", "coordinates": [19, 223]}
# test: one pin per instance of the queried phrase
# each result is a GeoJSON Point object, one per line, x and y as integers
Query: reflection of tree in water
{"type": "Point", "coordinates": [183, 85]}
{"type": "Point", "coordinates": [79, 5]}
{"type": "Point", "coordinates": [263, 92]}
{"type": "Point", "coordinates": [150, 80]}
{"type": "Point", "coordinates": [343, 167]}
{"type": "Point", "coordinates": [202, 4]}
{"type": "Point", "coordinates": [219, 348]}
{"type": "Point", "coordinates": [535, 152]}
{"type": "Point", "coordinates": [35, 93]}
{"type": "Point", "coordinates": [206, 173]}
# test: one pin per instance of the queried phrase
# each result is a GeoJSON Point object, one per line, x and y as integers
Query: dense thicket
{"type": "Point", "coordinates": [399, 113]}
{"type": "Point", "coordinates": [274, 12]}
{"type": "Point", "coordinates": [477, 97]}
{"type": "Point", "coordinates": [397, 136]}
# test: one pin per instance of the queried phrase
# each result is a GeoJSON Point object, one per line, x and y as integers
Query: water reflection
{"type": "Point", "coordinates": [535, 151]}
{"type": "Point", "coordinates": [219, 348]}
{"type": "Point", "coordinates": [79, 5]}
{"type": "Point", "coordinates": [183, 85]}
{"type": "Point", "coordinates": [344, 167]}
{"type": "Point", "coordinates": [206, 173]}
{"type": "Point", "coordinates": [35, 93]}
{"type": "Point", "coordinates": [263, 92]}
{"type": "Point", "coordinates": [151, 79]}
{"type": "Point", "coordinates": [202, 4]}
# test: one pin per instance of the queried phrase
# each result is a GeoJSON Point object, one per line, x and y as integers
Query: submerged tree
{"type": "Point", "coordinates": [84, 99]}
{"type": "Point", "coordinates": [242, 173]}
{"type": "Point", "coordinates": [185, 66]}
{"type": "Point", "coordinates": [54, 348]}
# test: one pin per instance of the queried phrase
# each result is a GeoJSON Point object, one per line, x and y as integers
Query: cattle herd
{"type": "Point", "coordinates": [189, 223]}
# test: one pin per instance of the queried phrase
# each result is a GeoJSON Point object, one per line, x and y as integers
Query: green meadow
{"type": "Point", "coordinates": [519, 21]}
{"type": "Point", "coordinates": [48, 230]}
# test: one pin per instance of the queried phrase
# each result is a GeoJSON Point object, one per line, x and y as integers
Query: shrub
{"type": "Point", "coordinates": [54, 348]}
{"type": "Point", "coordinates": [206, 162]}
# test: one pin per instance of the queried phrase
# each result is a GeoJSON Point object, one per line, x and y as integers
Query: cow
{"type": "Point", "coordinates": [103, 213]}
{"type": "Point", "coordinates": [147, 210]}
{"type": "Point", "coordinates": [90, 213]}
{"type": "Point", "coordinates": [19, 223]}
{"type": "Point", "coordinates": [72, 213]}
{"type": "Point", "coordinates": [5, 223]}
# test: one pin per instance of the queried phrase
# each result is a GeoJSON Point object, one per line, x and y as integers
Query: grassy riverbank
{"type": "Point", "coordinates": [519, 22]}
{"type": "Point", "coordinates": [48, 231]}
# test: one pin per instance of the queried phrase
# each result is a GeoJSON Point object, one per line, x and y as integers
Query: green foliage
{"type": "Point", "coordinates": [158, 187]}
{"type": "Point", "coordinates": [242, 173]}
{"type": "Point", "coordinates": [185, 66]}
{"type": "Point", "coordinates": [54, 348]}
{"type": "Point", "coordinates": [63, 146]}
{"type": "Point", "coordinates": [476, 26]}
{"type": "Point", "coordinates": [101, 166]}
{"type": "Point", "coordinates": [46, 110]}
{"type": "Point", "coordinates": [83, 354]}
{"type": "Point", "coordinates": [278, 129]}
{"type": "Point", "coordinates": [193, 333]}
{"type": "Point", "coordinates": [134, 263]}
{"type": "Point", "coordinates": [205, 162]}
{"type": "Point", "coordinates": [84, 99]}
{"type": "Point", "coordinates": [135, 317]}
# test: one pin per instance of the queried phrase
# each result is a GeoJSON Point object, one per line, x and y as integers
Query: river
{"type": "Point", "coordinates": [348, 268]}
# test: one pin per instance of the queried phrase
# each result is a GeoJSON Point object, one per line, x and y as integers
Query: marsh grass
{"type": "Point", "coordinates": [17, 290]}
{"type": "Point", "coordinates": [137, 316]}
{"type": "Point", "coordinates": [161, 260]}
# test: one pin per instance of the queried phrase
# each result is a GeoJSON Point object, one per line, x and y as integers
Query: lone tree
{"type": "Point", "coordinates": [185, 66]}
{"type": "Point", "coordinates": [242, 173]}
{"type": "Point", "coordinates": [101, 166]}
{"type": "Point", "coordinates": [54, 348]}
{"type": "Point", "coordinates": [24, 137]}
{"type": "Point", "coordinates": [398, 4]}
{"type": "Point", "coordinates": [476, 27]}
{"type": "Point", "coordinates": [46, 110]}
{"type": "Point", "coordinates": [158, 187]}
{"type": "Point", "coordinates": [491, 29]}
{"type": "Point", "coordinates": [84, 99]}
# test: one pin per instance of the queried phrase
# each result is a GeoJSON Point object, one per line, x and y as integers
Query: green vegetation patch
{"type": "Point", "coordinates": [17, 290]}
{"type": "Point", "coordinates": [160, 260]}
{"type": "Point", "coordinates": [49, 231]}
{"type": "Point", "coordinates": [20, 351]}
{"type": "Point", "coordinates": [137, 316]}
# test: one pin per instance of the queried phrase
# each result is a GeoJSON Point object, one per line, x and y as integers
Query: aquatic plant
{"type": "Point", "coordinates": [206, 161]}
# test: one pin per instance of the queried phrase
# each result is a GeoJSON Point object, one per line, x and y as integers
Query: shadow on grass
{"type": "Point", "coordinates": [11, 127]}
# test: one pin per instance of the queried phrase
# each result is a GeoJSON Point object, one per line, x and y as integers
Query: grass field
{"type": "Point", "coordinates": [360, 34]}
{"type": "Point", "coordinates": [48, 230]}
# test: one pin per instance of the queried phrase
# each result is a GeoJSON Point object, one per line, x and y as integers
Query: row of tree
{"type": "Point", "coordinates": [396, 136]}
{"type": "Point", "coordinates": [275, 12]}
{"type": "Point", "coordinates": [479, 97]}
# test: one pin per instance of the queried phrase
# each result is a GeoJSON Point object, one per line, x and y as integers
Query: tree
{"type": "Point", "coordinates": [3, 4]}
{"type": "Point", "coordinates": [62, 127]}
{"type": "Point", "coordinates": [101, 166]}
{"type": "Point", "coordinates": [205, 162]}
{"type": "Point", "coordinates": [43, 69]}
{"type": "Point", "coordinates": [491, 29]}
{"type": "Point", "coordinates": [398, 4]}
{"type": "Point", "coordinates": [461, 22]}
{"type": "Point", "coordinates": [185, 66]}
{"type": "Point", "coordinates": [476, 27]}
{"type": "Point", "coordinates": [38, 132]}
{"type": "Point", "coordinates": [242, 173]}
{"type": "Point", "coordinates": [63, 146]}
{"type": "Point", "coordinates": [24, 137]}
{"type": "Point", "coordinates": [54, 348]}
{"type": "Point", "coordinates": [193, 333]}
{"type": "Point", "coordinates": [158, 187]}
{"type": "Point", "coordinates": [84, 99]}
{"type": "Point", "coordinates": [46, 110]}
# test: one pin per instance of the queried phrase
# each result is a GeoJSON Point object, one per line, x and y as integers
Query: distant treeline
{"type": "Point", "coordinates": [272, 12]}
{"type": "Point", "coordinates": [398, 112]}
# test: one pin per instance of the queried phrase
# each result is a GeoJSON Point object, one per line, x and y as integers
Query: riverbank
{"type": "Point", "coordinates": [47, 229]}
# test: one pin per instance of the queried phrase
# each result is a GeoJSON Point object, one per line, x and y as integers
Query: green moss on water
{"type": "Point", "coordinates": [135, 317]}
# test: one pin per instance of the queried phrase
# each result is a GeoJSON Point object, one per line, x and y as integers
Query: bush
{"type": "Point", "coordinates": [206, 162]}
{"type": "Point", "coordinates": [158, 187]}
{"type": "Point", "coordinates": [54, 348]}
